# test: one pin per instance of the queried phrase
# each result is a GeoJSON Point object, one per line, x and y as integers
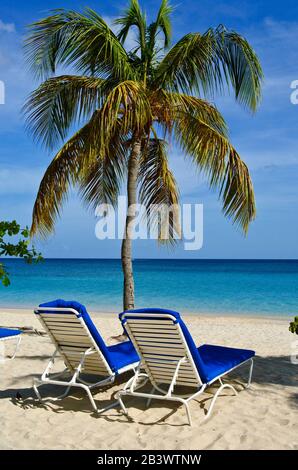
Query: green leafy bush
{"type": "Point", "coordinates": [294, 326]}
{"type": "Point", "coordinates": [20, 249]}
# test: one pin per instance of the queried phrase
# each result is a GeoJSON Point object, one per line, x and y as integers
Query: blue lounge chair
{"type": "Point", "coordinates": [171, 359]}
{"type": "Point", "coordinates": [82, 348]}
{"type": "Point", "coordinates": [7, 334]}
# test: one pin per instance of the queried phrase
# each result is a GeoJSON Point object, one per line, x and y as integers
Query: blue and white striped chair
{"type": "Point", "coordinates": [82, 348]}
{"type": "Point", "coordinates": [170, 359]}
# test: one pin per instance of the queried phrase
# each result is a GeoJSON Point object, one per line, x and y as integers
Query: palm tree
{"type": "Point", "coordinates": [129, 103]}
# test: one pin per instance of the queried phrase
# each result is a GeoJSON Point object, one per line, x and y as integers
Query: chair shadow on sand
{"type": "Point", "coordinates": [270, 370]}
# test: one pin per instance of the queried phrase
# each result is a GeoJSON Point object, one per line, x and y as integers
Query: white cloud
{"type": "Point", "coordinates": [7, 27]}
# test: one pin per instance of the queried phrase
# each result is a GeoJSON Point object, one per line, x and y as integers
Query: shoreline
{"type": "Point", "coordinates": [191, 314]}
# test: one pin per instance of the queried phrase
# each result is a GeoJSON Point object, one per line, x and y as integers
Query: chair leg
{"type": "Point", "coordinates": [35, 388]}
{"type": "Point", "coordinates": [86, 388]}
{"type": "Point", "coordinates": [250, 374]}
{"type": "Point", "coordinates": [119, 398]}
{"type": "Point", "coordinates": [150, 398]}
{"type": "Point", "coordinates": [187, 412]}
{"type": "Point", "coordinates": [38, 395]}
{"type": "Point", "coordinates": [63, 395]}
{"type": "Point", "coordinates": [215, 397]}
{"type": "Point", "coordinates": [17, 347]}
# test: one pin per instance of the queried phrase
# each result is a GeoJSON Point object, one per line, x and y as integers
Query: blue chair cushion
{"type": "Point", "coordinates": [81, 309]}
{"type": "Point", "coordinates": [220, 359]}
{"type": "Point", "coordinates": [6, 333]}
{"type": "Point", "coordinates": [208, 369]}
{"type": "Point", "coordinates": [123, 354]}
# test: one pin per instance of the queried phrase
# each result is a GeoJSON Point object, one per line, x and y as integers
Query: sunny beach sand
{"type": "Point", "coordinates": [263, 417]}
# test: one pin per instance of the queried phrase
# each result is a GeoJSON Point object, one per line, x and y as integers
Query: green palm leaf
{"type": "Point", "coordinates": [133, 16]}
{"type": "Point", "coordinates": [204, 63]}
{"type": "Point", "coordinates": [158, 188]}
{"type": "Point", "coordinates": [215, 156]}
{"type": "Point", "coordinates": [82, 41]}
{"type": "Point", "coordinates": [60, 102]}
{"type": "Point", "coordinates": [163, 23]}
{"type": "Point", "coordinates": [100, 181]}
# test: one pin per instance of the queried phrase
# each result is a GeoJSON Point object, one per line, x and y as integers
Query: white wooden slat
{"type": "Point", "coordinates": [59, 316]}
{"type": "Point", "coordinates": [153, 328]}
{"type": "Point", "coordinates": [94, 365]}
{"type": "Point", "coordinates": [78, 357]}
{"type": "Point", "coordinates": [150, 322]}
{"type": "Point", "coordinates": [164, 349]}
{"type": "Point", "coordinates": [91, 366]}
{"type": "Point", "coordinates": [170, 371]}
{"type": "Point", "coordinates": [158, 338]}
{"type": "Point", "coordinates": [164, 361]}
{"type": "Point", "coordinates": [83, 340]}
{"type": "Point", "coordinates": [97, 367]}
{"type": "Point", "coordinates": [180, 377]}
{"type": "Point", "coordinates": [181, 383]}
{"type": "Point", "coordinates": [189, 383]}
{"type": "Point", "coordinates": [188, 376]}
{"type": "Point", "coordinates": [99, 370]}
{"type": "Point", "coordinates": [71, 348]}
{"type": "Point", "coordinates": [168, 379]}
{"type": "Point", "coordinates": [67, 331]}
{"type": "Point", "coordinates": [154, 334]}
{"type": "Point", "coordinates": [94, 372]}
{"type": "Point", "coordinates": [83, 346]}
{"type": "Point", "coordinates": [160, 342]}
{"type": "Point", "coordinates": [70, 337]}
{"type": "Point", "coordinates": [53, 320]}
{"type": "Point", "coordinates": [150, 356]}
{"type": "Point", "coordinates": [187, 372]}
{"type": "Point", "coordinates": [74, 352]}
{"type": "Point", "coordinates": [50, 326]}
{"type": "Point", "coordinates": [68, 327]}
{"type": "Point", "coordinates": [75, 333]}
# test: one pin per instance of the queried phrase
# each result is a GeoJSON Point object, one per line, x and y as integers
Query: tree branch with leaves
{"type": "Point", "coordinates": [20, 249]}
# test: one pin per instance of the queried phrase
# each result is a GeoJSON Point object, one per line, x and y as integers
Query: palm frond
{"type": "Point", "coordinates": [97, 167]}
{"type": "Point", "coordinates": [61, 101]}
{"type": "Point", "coordinates": [129, 101]}
{"type": "Point", "coordinates": [60, 174]}
{"type": "Point", "coordinates": [205, 63]}
{"type": "Point", "coordinates": [100, 181]}
{"type": "Point", "coordinates": [216, 157]}
{"type": "Point", "coordinates": [163, 23]}
{"type": "Point", "coordinates": [82, 41]}
{"type": "Point", "coordinates": [167, 107]}
{"type": "Point", "coordinates": [158, 190]}
{"type": "Point", "coordinates": [240, 64]}
{"type": "Point", "coordinates": [133, 16]}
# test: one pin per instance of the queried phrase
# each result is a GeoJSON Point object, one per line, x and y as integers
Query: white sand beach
{"type": "Point", "coordinates": [262, 417]}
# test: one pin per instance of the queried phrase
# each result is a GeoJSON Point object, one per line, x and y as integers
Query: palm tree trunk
{"type": "Point", "coordinates": [126, 249]}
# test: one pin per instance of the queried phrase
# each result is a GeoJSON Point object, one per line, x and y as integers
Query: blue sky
{"type": "Point", "coordinates": [267, 141]}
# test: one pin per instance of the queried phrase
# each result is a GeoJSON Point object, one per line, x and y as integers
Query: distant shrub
{"type": "Point", "coordinates": [294, 326]}
{"type": "Point", "coordinates": [20, 248]}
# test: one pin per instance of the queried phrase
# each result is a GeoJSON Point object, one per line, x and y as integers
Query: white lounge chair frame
{"type": "Point", "coordinates": [81, 355]}
{"type": "Point", "coordinates": [174, 365]}
{"type": "Point", "coordinates": [17, 339]}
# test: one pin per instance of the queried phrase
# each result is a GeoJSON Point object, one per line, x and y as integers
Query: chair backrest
{"type": "Point", "coordinates": [73, 332]}
{"type": "Point", "coordinates": [161, 340]}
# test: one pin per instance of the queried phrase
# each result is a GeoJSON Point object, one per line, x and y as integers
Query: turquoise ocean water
{"type": "Point", "coordinates": [206, 286]}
